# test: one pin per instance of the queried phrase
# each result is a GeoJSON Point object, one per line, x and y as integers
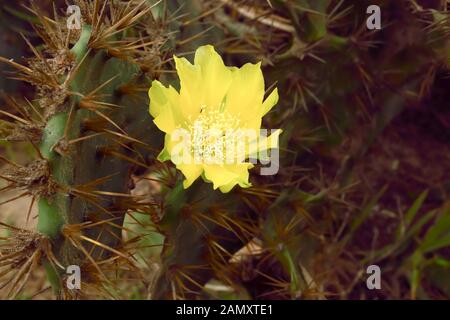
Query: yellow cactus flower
{"type": "Point", "coordinates": [216, 108]}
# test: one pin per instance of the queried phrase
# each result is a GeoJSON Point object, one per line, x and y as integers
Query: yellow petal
{"type": "Point", "coordinates": [227, 176]}
{"type": "Point", "coordinates": [246, 93]}
{"type": "Point", "coordinates": [191, 172]}
{"type": "Point", "coordinates": [165, 120]}
{"type": "Point", "coordinates": [190, 87]}
{"type": "Point", "coordinates": [271, 100]}
{"type": "Point", "coordinates": [163, 101]}
{"type": "Point", "coordinates": [218, 175]}
{"type": "Point", "coordinates": [164, 155]}
{"type": "Point", "coordinates": [216, 77]}
{"type": "Point", "coordinates": [160, 96]}
{"type": "Point", "coordinates": [228, 187]}
{"type": "Point", "coordinates": [242, 171]}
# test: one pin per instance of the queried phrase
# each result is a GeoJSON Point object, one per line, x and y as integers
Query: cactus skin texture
{"type": "Point", "coordinates": [94, 159]}
{"type": "Point", "coordinates": [88, 148]}
{"type": "Point", "coordinates": [290, 236]}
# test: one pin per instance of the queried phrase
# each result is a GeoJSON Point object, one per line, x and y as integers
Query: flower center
{"type": "Point", "coordinates": [213, 135]}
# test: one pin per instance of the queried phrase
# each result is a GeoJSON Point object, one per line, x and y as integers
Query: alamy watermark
{"type": "Point", "coordinates": [374, 20]}
{"type": "Point", "coordinates": [74, 20]}
{"type": "Point", "coordinates": [73, 281]}
{"type": "Point", "coordinates": [374, 280]}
